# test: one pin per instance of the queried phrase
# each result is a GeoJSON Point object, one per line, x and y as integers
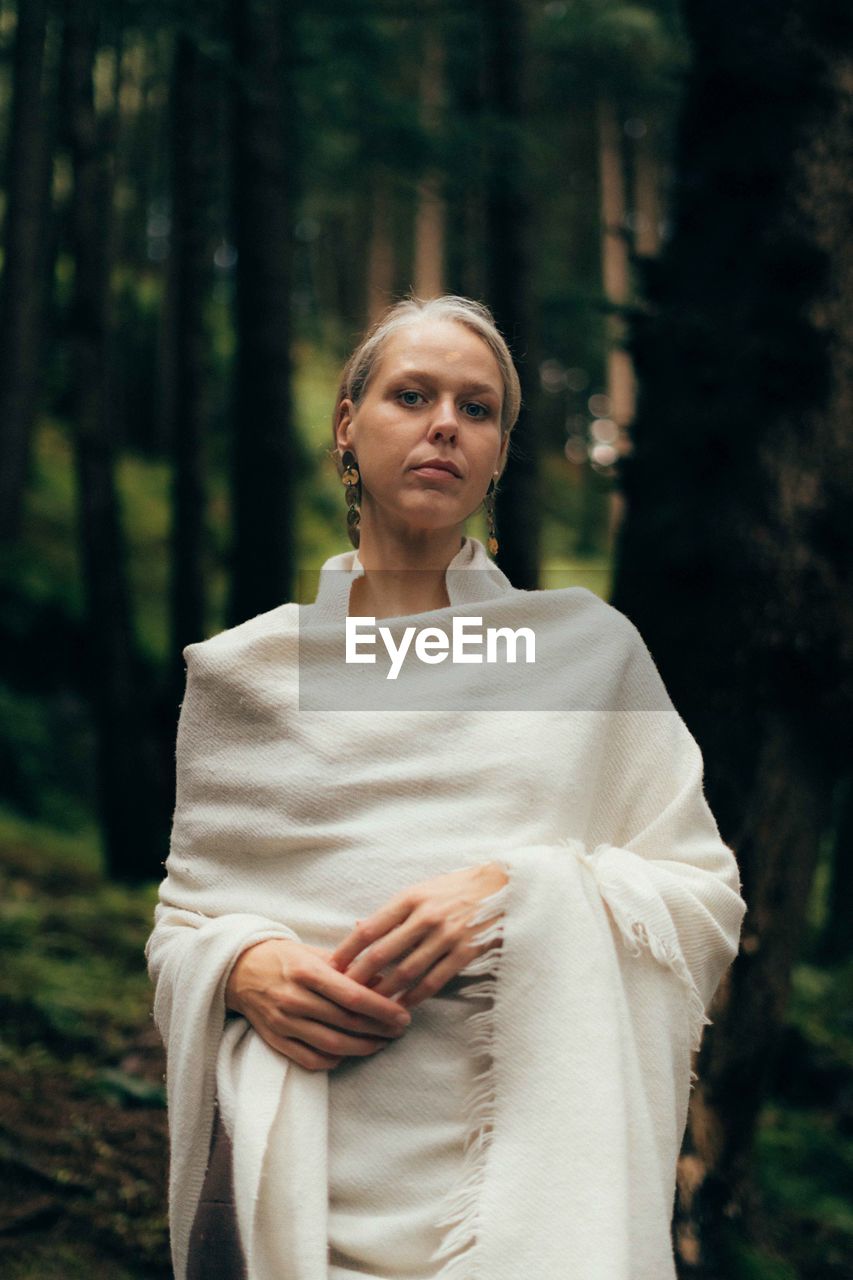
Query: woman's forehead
{"type": "Point", "coordinates": [441, 347]}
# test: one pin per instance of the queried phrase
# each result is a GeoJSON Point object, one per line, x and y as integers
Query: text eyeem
{"type": "Point", "coordinates": [432, 644]}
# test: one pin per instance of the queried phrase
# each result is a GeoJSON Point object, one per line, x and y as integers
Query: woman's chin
{"type": "Point", "coordinates": [439, 517]}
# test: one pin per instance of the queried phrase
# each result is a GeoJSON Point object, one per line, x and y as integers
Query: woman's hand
{"type": "Point", "coordinates": [423, 933]}
{"type": "Point", "coordinates": [305, 1008]}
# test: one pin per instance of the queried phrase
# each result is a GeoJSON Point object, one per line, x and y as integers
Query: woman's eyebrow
{"type": "Point", "coordinates": [476, 388]}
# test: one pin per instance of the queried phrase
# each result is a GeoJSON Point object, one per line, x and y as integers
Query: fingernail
{"type": "Point", "coordinates": [404, 1018]}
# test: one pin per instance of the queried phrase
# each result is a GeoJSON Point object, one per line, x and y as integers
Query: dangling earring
{"type": "Point", "coordinates": [351, 478]}
{"type": "Point", "coordinates": [489, 504]}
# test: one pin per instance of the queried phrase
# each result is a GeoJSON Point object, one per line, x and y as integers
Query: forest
{"type": "Point", "coordinates": [203, 205]}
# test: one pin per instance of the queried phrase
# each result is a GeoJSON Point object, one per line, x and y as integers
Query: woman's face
{"type": "Point", "coordinates": [436, 392]}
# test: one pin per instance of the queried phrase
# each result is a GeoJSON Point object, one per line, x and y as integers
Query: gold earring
{"type": "Point", "coordinates": [489, 504]}
{"type": "Point", "coordinates": [351, 478]}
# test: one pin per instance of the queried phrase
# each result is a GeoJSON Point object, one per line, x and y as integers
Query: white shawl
{"type": "Point", "coordinates": [621, 914]}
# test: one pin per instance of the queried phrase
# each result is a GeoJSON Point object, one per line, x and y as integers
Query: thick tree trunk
{"type": "Point", "coordinates": [736, 549]}
{"type": "Point", "coordinates": [129, 813]}
{"type": "Point", "coordinates": [508, 255]}
{"type": "Point", "coordinates": [22, 288]}
{"type": "Point", "coordinates": [777, 843]}
{"type": "Point", "coordinates": [194, 87]}
{"type": "Point", "coordinates": [266, 457]}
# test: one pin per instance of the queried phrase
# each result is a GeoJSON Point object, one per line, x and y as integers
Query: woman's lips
{"type": "Point", "coordinates": [436, 473]}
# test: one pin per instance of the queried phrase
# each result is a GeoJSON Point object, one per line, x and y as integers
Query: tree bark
{"type": "Point", "coordinates": [129, 816]}
{"type": "Point", "coordinates": [194, 88]}
{"type": "Point", "coordinates": [267, 461]}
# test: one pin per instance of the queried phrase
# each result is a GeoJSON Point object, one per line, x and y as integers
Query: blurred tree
{"type": "Point", "coordinates": [736, 551]}
{"type": "Point", "coordinates": [381, 249]}
{"type": "Point", "coordinates": [265, 167]}
{"type": "Point", "coordinates": [431, 209]}
{"type": "Point", "coordinates": [117, 686]}
{"type": "Point", "coordinates": [197, 84]}
{"type": "Point", "coordinates": [464, 152]}
{"type": "Point", "coordinates": [508, 231]}
{"type": "Point", "coordinates": [25, 260]}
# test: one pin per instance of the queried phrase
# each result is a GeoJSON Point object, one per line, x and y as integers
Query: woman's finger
{"type": "Point", "coordinates": [390, 948]}
{"type": "Point", "coordinates": [369, 930]}
{"type": "Point", "coordinates": [438, 976]}
{"type": "Point", "coordinates": [304, 1055]}
{"type": "Point", "coordinates": [311, 1005]}
{"type": "Point", "coordinates": [414, 966]}
{"type": "Point", "coordinates": [354, 997]}
{"type": "Point", "coordinates": [334, 1043]}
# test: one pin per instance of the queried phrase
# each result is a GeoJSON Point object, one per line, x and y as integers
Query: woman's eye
{"type": "Point", "coordinates": [484, 412]}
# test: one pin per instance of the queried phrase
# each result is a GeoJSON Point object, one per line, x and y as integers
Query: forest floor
{"type": "Point", "coordinates": [83, 1135]}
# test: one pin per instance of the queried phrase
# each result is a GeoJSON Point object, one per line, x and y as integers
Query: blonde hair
{"type": "Point", "coordinates": [476, 316]}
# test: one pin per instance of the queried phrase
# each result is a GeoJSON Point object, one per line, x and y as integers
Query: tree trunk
{"type": "Point", "coordinates": [194, 86]}
{"type": "Point", "coordinates": [431, 213]}
{"type": "Point", "coordinates": [735, 554]}
{"type": "Point", "coordinates": [466, 167]}
{"type": "Point", "coordinates": [380, 252]}
{"type": "Point", "coordinates": [22, 289]}
{"type": "Point", "coordinates": [777, 844]}
{"type": "Point", "coordinates": [616, 280]}
{"type": "Point", "coordinates": [648, 194]}
{"type": "Point", "coordinates": [129, 815]}
{"type": "Point", "coordinates": [508, 255]}
{"type": "Point", "coordinates": [266, 455]}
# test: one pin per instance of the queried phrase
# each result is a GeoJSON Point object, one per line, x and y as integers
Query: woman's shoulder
{"type": "Point", "coordinates": [581, 608]}
{"type": "Point", "coordinates": [577, 626]}
{"type": "Point", "coordinates": [273, 625]}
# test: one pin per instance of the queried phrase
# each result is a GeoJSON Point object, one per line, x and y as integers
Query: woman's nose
{"type": "Point", "coordinates": [444, 422]}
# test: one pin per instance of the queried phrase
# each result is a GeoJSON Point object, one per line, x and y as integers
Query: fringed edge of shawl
{"type": "Point", "coordinates": [637, 937]}
{"type": "Point", "coordinates": [462, 1215]}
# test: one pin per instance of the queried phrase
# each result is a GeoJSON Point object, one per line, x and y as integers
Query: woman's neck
{"type": "Point", "coordinates": [403, 576]}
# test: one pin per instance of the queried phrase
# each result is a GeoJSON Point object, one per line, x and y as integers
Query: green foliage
{"type": "Point", "coordinates": [752, 1263]}
{"type": "Point", "coordinates": [804, 1167]}
{"type": "Point", "coordinates": [821, 1009]}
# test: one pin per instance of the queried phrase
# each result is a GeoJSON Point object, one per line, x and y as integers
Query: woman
{"type": "Point", "coordinates": [439, 931]}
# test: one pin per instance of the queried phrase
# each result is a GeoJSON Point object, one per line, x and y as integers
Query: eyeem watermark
{"type": "Point", "coordinates": [433, 645]}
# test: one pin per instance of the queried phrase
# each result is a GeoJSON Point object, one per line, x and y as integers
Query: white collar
{"type": "Point", "coordinates": [470, 577]}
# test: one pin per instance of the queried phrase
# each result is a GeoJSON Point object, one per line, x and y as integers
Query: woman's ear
{"type": "Point", "coordinates": [344, 424]}
{"type": "Point", "coordinates": [501, 463]}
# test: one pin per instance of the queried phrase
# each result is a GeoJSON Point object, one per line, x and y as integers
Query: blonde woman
{"type": "Point", "coordinates": [440, 924]}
